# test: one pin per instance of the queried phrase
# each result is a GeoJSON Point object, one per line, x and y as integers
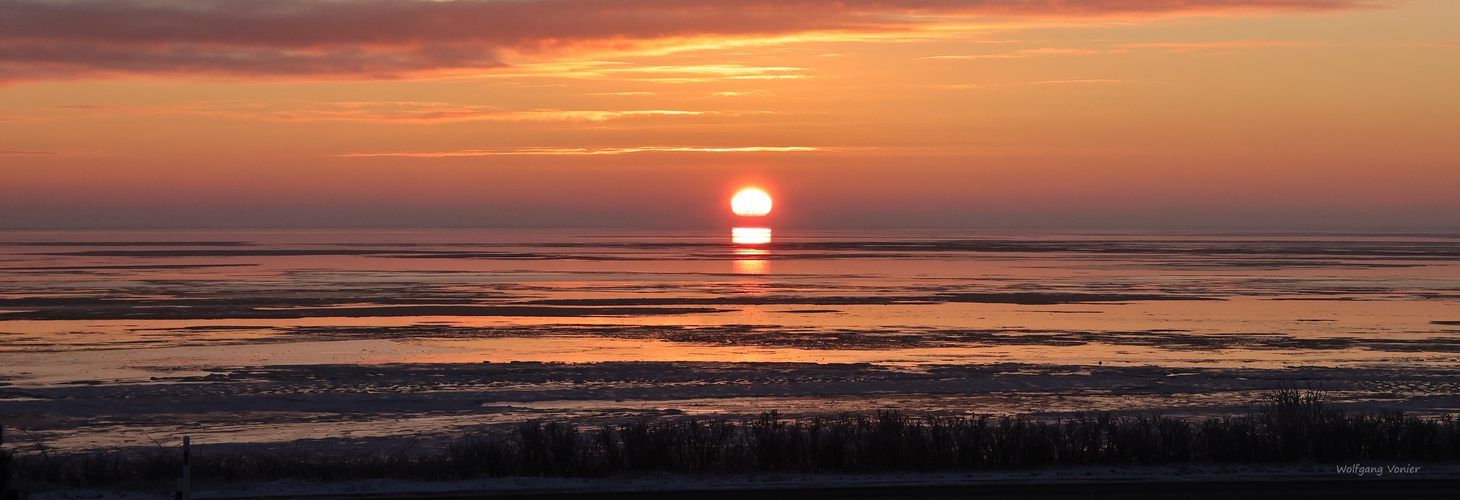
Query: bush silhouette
{"type": "Point", "coordinates": [1293, 426]}
{"type": "Point", "coordinates": [7, 490]}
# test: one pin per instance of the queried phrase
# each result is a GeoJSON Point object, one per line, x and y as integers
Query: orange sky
{"type": "Point", "coordinates": [1194, 114]}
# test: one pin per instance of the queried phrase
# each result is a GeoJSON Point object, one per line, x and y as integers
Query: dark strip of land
{"type": "Point", "coordinates": [1194, 490]}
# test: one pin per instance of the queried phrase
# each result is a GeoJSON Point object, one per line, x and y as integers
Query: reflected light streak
{"type": "Point", "coordinates": [750, 235]}
{"type": "Point", "coordinates": [750, 260]}
{"type": "Point", "coordinates": [751, 267]}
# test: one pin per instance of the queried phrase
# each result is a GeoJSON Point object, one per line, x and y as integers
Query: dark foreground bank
{"type": "Point", "coordinates": [1193, 490]}
{"type": "Point", "coordinates": [1293, 427]}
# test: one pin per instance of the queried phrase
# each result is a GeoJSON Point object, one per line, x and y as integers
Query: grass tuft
{"type": "Point", "coordinates": [7, 490]}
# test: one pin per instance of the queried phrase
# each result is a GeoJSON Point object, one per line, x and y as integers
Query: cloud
{"type": "Point", "coordinates": [392, 112]}
{"type": "Point", "coordinates": [961, 86]}
{"type": "Point", "coordinates": [1228, 44]}
{"type": "Point", "coordinates": [587, 151]}
{"type": "Point", "coordinates": [1049, 51]}
{"type": "Point", "coordinates": [618, 71]}
{"type": "Point", "coordinates": [977, 86]}
{"type": "Point", "coordinates": [460, 114]}
{"type": "Point", "coordinates": [1426, 44]}
{"type": "Point", "coordinates": [1066, 82]}
{"type": "Point", "coordinates": [384, 39]}
{"type": "Point", "coordinates": [1175, 46]}
{"type": "Point", "coordinates": [638, 92]}
{"type": "Point", "coordinates": [47, 154]}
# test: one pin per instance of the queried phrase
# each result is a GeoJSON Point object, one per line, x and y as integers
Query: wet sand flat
{"type": "Point", "coordinates": [120, 338]}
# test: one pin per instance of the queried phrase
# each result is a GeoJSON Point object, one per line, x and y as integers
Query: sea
{"type": "Point", "coordinates": [112, 338]}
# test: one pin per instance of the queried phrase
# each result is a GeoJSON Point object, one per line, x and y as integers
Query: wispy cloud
{"type": "Point", "coordinates": [1227, 44]}
{"type": "Point", "coordinates": [1426, 44]}
{"type": "Point", "coordinates": [979, 86]}
{"type": "Point", "coordinates": [620, 71]}
{"type": "Point", "coordinates": [960, 86]}
{"type": "Point", "coordinates": [622, 93]}
{"type": "Point", "coordinates": [378, 39]}
{"type": "Point", "coordinates": [1067, 82]}
{"type": "Point", "coordinates": [1050, 51]}
{"type": "Point", "coordinates": [50, 154]}
{"type": "Point", "coordinates": [588, 151]}
{"type": "Point", "coordinates": [465, 114]}
{"type": "Point", "coordinates": [395, 112]}
{"type": "Point", "coordinates": [1125, 47]}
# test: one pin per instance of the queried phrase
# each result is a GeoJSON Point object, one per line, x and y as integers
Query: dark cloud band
{"type": "Point", "coordinates": [42, 39]}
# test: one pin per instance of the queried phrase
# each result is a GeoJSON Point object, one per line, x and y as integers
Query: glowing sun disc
{"type": "Point", "coordinates": [751, 203]}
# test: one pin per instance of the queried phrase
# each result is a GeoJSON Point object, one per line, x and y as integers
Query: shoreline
{"type": "Point", "coordinates": [351, 406]}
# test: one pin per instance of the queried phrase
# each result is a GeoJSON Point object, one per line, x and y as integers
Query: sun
{"type": "Point", "coordinates": [751, 203]}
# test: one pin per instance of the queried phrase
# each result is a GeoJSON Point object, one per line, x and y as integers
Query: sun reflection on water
{"type": "Point", "coordinates": [750, 235]}
{"type": "Point", "coordinates": [749, 260]}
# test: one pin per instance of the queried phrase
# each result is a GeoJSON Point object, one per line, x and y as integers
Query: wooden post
{"type": "Point", "coordinates": [185, 485]}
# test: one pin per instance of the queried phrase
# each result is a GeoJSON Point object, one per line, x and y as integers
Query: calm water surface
{"type": "Point", "coordinates": [125, 300]}
{"type": "Point", "coordinates": [113, 308]}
